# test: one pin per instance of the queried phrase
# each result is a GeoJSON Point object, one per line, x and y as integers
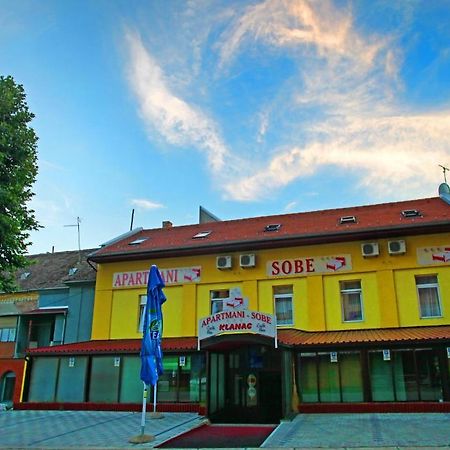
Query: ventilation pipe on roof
{"type": "Point", "coordinates": [444, 192]}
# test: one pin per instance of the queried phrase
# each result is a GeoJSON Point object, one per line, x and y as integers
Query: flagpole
{"type": "Point", "coordinates": [144, 408]}
{"type": "Point", "coordinates": [155, 387]}
{"type": "Point", "coordinates": [142, 438]}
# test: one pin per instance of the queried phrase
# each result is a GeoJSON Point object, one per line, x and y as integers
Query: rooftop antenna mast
{"type": "Point", "coordinates": [79, 242]}
{"type": "Point", "coordinates": [444, 169]}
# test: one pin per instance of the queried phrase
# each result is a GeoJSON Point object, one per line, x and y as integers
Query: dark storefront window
{"type": "Point", "coordinates": [330, 377]}
{"type": "Point", "coordinates": [183, 379]}
{"type": "Point", "coordinates": [405, 375]}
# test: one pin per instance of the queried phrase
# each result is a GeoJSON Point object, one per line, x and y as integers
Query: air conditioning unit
{"type": "Point", "coordinates": [223, 262]}
{"type": "Point", "coordinates": [247, 260]}
{"type": "Point", "coordinates": [397, 247]}
{"type": "Point", "coordinates": [370, 249]}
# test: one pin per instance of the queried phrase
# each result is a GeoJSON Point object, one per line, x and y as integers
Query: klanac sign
{"type": "Point", "coordinates": [237, 321]}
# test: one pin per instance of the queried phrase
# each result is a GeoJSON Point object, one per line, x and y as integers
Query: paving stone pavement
{"type": "Point", "coordinates": [354, 431]}
{"type": "Point", "coordinates": [87, 429]}
{"type": "Point", "coordinates": [98, 430]}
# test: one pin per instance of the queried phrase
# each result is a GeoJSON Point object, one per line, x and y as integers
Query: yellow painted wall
{"type": "Point", "coordinates": [408, 301]}
{"type": "Point", "coordinates": [388, 289]}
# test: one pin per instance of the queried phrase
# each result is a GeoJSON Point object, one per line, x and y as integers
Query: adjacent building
{"type": "Point", "coordinates": [341, 309]}
{"type": "Point", "coordinates": [53, 305]}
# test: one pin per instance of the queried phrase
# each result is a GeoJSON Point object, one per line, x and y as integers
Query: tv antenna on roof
{"type": "Point", "coordinates": [444, 169]}
{"type": "Point", "coordinates": [78, 228]}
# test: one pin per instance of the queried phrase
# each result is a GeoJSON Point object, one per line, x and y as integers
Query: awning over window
{"type": "Point", "coordinates": [291, 337]}
{"type": "Point", "coordinates": [114, 346]}
{"type": "Point", "coordinates": [41, 311]}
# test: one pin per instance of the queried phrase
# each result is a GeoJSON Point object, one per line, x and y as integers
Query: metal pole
{"type": "Point", "coordinates": [144, 407]}
{"type": "Point", "coordinates": [155, 387]}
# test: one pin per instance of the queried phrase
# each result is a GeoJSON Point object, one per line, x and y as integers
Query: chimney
{"type": "Point", "coordinates": [167, 224]}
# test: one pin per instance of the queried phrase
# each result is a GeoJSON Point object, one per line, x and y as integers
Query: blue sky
{"type": "Point", "coordinates": [248, 108]}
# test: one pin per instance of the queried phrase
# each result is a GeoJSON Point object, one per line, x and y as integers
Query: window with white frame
{"type": "Point", "coordinates": [283, 298]}
{"type": "Point", "coordinates": [217, 298]}
{"type": "Point", "coordinates": [428, 293]}
{"type": "Point", "coordinates": [351, 301]}
{"type": "Point", "coordinates": [142, 303]}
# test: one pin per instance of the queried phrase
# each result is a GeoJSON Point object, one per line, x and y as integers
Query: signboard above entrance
{"type": "Point", "coordinates": [240, 321]}
{"type": "Point", "coordinates": [309, 265]}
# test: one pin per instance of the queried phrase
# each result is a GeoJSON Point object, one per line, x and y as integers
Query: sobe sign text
{"type": "Point", "coordinates": [309, 265]}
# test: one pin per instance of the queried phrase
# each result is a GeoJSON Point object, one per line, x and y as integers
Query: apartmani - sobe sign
{"type": "Point", "coordinates": [309, 265]}
{"type": "Point", "coordinates": [232, 321]}
{"type": "Point", "coordinates": [139, 278]}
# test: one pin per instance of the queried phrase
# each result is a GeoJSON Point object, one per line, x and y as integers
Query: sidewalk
{"type": "Point", "coordinates": [112, 430]}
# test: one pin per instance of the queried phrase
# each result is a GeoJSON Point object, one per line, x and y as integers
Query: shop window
{"type": "Point", "coordinates": [351, 301]}
{"type": "Point", "coordinates": [142, 303]}
{"type": "Point", "coordinates": [381, 377]}
{"type": "Point", "coordinates": [104, 380]}
{"type": "Point", "coordinates": [182, 379]}
{"type": "Point", "coordinates": [351, 377]}
{"type": "Point", "coordinates": [429, 375]}
{"type": "Point", "coordinates": [308, 378]}
{"type": "Point", "coordinates": [428, 293]}
{"type": "Point", "coordinates": [217, 298]}
{"type": "Point", "coordinates": [283, 299]}
{"type": "Point", "coordinates": [330, 377]}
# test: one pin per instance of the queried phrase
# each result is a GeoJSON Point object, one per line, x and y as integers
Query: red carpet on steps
{"type": "Point", "coordinates": [221, 436]}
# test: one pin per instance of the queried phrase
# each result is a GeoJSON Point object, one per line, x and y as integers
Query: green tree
{"type": "Point", "coordinates": [18, 170]}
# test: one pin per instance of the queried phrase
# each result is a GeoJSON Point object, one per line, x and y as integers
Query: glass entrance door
{"type": "Point", "coordinates": [245, 385]}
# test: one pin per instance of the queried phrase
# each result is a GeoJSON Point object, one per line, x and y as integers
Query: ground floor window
{"type": "Point", "coordinates": [7, 383]}
{"type": "Point", "coordinates": [330, 377]}
{"type": "Point", "coordinates": [115, 379]}
{"type": "Point", "coordinates": [399, 375]}
{"type": "Point", "coordinates": [405, 375]}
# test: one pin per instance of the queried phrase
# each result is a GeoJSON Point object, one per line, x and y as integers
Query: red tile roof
{"type": "Point", "coordinates": [113, 346]}
{"type": "Point", "coordinates": [380, 220]}
{"type": "Point", "coordinates": [288, 337]}
{"type": "Point", "coordinates": [301, 338]}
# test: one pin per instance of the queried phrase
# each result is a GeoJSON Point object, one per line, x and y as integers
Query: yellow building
{"type": "Point", "coordinates": [343, 309]}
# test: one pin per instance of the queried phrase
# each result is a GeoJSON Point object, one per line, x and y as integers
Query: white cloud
{"type": "Point", "coordinates": [177, 121]}
{"type": "Point", "coordinates": [398, 153]}
{"type": "Point", "coordinates": [348, 78]}
{"type": "Point", "coordinates": [318, 26]}
{"type": "Point", "coordinates": [146, 204]}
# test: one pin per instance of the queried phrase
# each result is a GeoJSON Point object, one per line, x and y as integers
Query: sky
{"type": "Point", "coordinates": [247, 108]}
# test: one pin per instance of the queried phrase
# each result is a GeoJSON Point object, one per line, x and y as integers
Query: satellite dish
{"type": "Point", "coordinates": [444, 188]}
{"type": "Point", "coordinates": [444, 192]}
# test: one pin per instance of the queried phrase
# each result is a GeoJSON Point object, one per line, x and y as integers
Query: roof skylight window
{"type": "Point", "coordinates": [73, 271]}
{"type": "Point", "coordinates": [411, 213]}
{"type": "Point", "coordinates": [347, 219]}
{"type": "Point", "coordinates": [201, 234]}
{"type": "Point", "coordinates": [25, 275]}
{"type": "Point", "coordinates": [137, 241]}
{"type": "Point", "coordinates": [273, 227]}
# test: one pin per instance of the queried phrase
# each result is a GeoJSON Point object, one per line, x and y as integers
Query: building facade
{"type": "Point", "coordinates": [344, 309]}
{"type": "Point", "coordinates": [53, 305]}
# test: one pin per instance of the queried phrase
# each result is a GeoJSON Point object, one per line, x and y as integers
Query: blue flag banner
{"type": "Point", "coordinates": [151, 354]}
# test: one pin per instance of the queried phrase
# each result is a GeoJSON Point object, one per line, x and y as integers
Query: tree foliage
{"type": "Point", "coordinates": [18, 170]}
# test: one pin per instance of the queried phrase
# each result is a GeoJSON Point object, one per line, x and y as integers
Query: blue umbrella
{"type": "Point", "coordinates": [151, 354]}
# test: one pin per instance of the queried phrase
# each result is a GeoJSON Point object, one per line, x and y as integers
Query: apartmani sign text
{"type": "Point", "coordinates": [139, 278]}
